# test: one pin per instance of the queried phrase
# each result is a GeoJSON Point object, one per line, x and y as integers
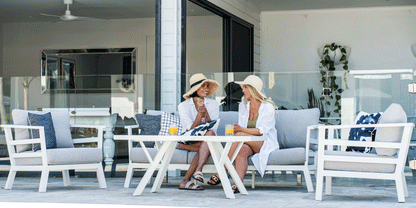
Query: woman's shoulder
{"type": "Point", "coordinates": [183, 103]}
{"type": "Point", "coordinates": [268, 106]}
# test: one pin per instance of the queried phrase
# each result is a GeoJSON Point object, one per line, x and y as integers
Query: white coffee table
{"type": "Point", "coordinates": [219, 155]}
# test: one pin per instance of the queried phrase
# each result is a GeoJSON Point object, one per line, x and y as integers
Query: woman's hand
{"type": "Point", "coordinates": [201, 106]}
{"type": "Point", "coordinates": [237, 128]}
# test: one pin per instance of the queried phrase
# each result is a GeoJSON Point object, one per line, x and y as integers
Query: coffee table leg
{"type": "Point", "coordinates": [231, 169]}
{"type": "Point", "coordinates": [216, 155]}
{"type": "Point", "coordinates": [151, 169]}
{"type": "Point", "coordinates": [165, 163]}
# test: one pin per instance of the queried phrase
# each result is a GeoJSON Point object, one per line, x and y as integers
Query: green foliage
{"type": "Point", "coordinates": [314, 102]}
{"type": "Point", "coordinates": [327, 64]}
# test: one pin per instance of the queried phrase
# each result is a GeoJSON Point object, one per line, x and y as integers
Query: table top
{"type": "Point", "coordinates": [190, 138]}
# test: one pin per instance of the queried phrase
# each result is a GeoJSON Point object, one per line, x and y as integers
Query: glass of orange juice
{"type": "Point", "coordinates": [229, 130]}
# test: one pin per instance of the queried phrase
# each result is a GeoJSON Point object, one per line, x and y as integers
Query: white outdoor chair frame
{"type": "Point", "coordinates": [325, 132]}
{"type": "Point", "coordinates": [45, 168]}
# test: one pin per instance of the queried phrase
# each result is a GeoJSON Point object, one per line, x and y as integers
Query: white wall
{"type": "Point", "coordinates": [247, 11]}
{"type": "Point", "coordinates": [24, 41]}
{"type": "Point", "coordinates": [380, 38]}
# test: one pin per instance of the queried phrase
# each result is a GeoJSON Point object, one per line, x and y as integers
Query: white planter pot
{"type": "Point", "coordinates": [334, 55]}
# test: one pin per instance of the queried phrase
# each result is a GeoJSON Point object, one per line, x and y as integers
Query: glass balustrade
{"type": "Point", "coordinates": [368, 90]}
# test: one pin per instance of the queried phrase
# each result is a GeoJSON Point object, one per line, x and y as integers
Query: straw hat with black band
{"type": "Point", "coordinates": [255, 82]}
{"type": "Point", "coordinates": [196, 82]}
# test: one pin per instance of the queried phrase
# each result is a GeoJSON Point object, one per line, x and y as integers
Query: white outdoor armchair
{"type": "Point", "coordinates": [63, 158]}
{"type": "Point", "coordinates": [331, 163]}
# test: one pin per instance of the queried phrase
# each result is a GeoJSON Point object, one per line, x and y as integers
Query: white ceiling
{"type": "Point", "coordinates": [29, 10]}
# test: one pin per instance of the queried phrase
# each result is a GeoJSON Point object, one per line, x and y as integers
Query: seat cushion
{"type": "Point", "coordinates": [355, 166]}
{"type": "Point", "coordinates": [291, 156]}
{"type": "Point", "coordinates": [137, 155]}
{"type": "Point", "coordinates": [61, 124]}
{"type": "Point", "coordinates": [44, 120]}
{"type": "Point", "coordinates": [66, 156]}
{"type": "Point", "coordinates": [291, 126]}
{"type": "Point", "coordinates": [393, 114]}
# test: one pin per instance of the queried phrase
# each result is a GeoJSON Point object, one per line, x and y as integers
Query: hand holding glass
{"type": "Point", "coordinates": [229, 130]}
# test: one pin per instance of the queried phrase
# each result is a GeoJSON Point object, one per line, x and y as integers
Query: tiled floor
{"type": "Point", "coordinates": [277, 191]}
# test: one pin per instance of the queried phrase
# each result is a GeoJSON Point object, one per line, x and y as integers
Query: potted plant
{"type": "Point", "coordinates": [331, 55]}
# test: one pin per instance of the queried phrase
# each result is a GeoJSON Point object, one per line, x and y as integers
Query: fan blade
{"type": "Point", "coordinates": [50, 15]}
{"type": "Point", "coordinates": [56, 20]}
{"type": "Point", "coordinates": [87, 18]}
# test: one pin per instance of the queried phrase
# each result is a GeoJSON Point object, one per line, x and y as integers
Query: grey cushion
{"type": "Point", "coordinates": [292, 156]}
{"type": "Point", "coordinates": [66, 156]}
{"type": "Point", "coordinates": [61, 124]}
{"type": "Point", "coordinates": [355, 166]}
{"type": "Point", "coordinates": [227, 117]}
{"type": "Point", "coordinates": [44, 120]}
{"type": "Point", "coordinates": [137, 155]}
{"type": "Point", "coordinates": [291, 126]}
{"type": "Point", "coordinates": [393, 114]}
{"type": "Point", "coordinates": [149, 125]}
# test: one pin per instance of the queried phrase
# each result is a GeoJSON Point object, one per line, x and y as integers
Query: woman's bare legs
{"type": "Point", "coordinates": [193, 148]}
{"type": "Point", "coordinates": [204, 152]}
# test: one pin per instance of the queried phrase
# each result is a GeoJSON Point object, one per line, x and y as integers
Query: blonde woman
{"type": "Point", "coordinates": [256, 117]}
{"type": "Point", "coordinates": [197, 109]}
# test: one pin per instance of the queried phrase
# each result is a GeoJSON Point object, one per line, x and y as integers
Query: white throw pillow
{"type": "Point", "coordinates": [393, 114]}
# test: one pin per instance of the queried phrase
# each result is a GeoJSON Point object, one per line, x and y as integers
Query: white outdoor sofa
{"type": "Point", "coordinates": [295, 153]}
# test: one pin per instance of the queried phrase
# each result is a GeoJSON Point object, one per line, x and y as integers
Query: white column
{"type": "Point", "coordinates": [170, 54]}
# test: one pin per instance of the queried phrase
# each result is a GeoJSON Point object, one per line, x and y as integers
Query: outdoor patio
{"type": "Point", "coordinates": [279, 190]}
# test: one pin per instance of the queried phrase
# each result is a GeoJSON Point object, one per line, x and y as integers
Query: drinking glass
{"type": "Point", "coordinates": [173, 130]}
{"type": "Point", "coordinates": [229, 130]}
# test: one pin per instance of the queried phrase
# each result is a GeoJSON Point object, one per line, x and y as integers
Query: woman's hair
{"type": "Point", "coordinates": [195, 94]}
{"type": "Point", "coordinates": [257, 96]}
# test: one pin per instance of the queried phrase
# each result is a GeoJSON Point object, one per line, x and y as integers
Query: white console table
{"type": "Point", "coordinates": [95, 116]}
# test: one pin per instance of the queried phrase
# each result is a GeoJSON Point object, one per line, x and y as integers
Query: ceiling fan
{"type": "Point", "coordinates": [68, 16]}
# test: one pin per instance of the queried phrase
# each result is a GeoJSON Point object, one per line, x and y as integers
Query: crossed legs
{"type": "Point", "coordinates": [199, 159]}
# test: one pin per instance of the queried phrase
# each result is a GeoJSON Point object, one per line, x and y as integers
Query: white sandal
{"type": "Point", "coordinates": [194, 187]}
{"type": "Point", "coordinates": [198, 176]}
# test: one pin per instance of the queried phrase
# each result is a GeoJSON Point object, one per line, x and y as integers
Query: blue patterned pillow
{"type": "Point", "coordinates": [44, 120]}
{"type": "Point", "coordinates": [363, 134]}
{"type": "Point", "coordinates": [149, 125]}
{"type": "Point", "coordinates": [200, 130]}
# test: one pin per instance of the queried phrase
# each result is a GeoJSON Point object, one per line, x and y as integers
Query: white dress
{"type": "Point", "coordinates": [266, 124]}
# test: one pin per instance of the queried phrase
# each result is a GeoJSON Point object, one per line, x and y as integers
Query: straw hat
{"type": "Point", "coordinates": [255, 82]}
{"type": "Point", "coordinates": [196, 82]}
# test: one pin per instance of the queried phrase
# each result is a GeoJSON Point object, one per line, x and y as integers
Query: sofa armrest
{"type": "Point", "coordinates": [310, 139]}
{"type": "Point", "coordinates": [130, 128]}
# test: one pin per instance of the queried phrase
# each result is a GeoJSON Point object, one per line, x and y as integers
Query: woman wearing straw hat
{"type": "Point", "coordinates": [197, 109]}
{"type": "Point", "coordinates": [256, 117]}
